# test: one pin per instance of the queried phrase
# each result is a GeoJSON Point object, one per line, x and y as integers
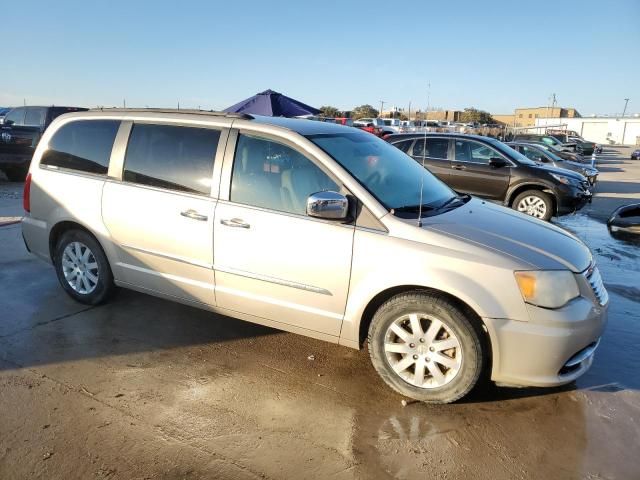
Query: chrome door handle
{"type": "Point", "coordinates": [235, 222]}
{"type": "Point", "coordinates": [459, 167]}
{"type": "Point", "coordinates": [194, 215]}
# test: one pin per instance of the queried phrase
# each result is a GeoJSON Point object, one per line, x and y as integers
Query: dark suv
{"type": "Point", "coordinates": [488, 168]}
{"type": "Point", "coordinates": [546, 139]}
{"type": "Point", "coordinates": [19, 136]}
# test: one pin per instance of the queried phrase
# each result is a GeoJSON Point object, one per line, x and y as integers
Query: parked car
{"type": "Point", "coordinates": [321, 230]}
{"type": "Point", "coordinates": [538, 154]}
{"type": "Point", "coordinates": [547, 139]}
{"type": "Point", "coordinates": [19, 136]}
{"type": "Point", "coordinates": [378, 123]}
{"type": "Point", "coordinates": [393, 124]}
{"type": "Point", "coordinates": [344, 121]}
{"type": "Point", "coordinates": [583, 147]}
{"type": "Point", "coordinates": [565, 155]}
{"type": "Point", "coordinates": [635, 155]}
{"type": "Point", "coordinates": [490, 169]}
{"type": "Point", "coordinates": [624, 222]}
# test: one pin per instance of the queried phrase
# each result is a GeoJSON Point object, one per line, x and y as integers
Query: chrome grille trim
{"type": "Point", "coordinates": [595, 280]}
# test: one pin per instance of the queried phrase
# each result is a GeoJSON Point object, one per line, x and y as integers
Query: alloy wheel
{"type": "Point", "coordinates": [533, 205]}
{"type": "Point", "coordinates": [80, 268]}
{"type": "Point", "coordinates": [422, 350]}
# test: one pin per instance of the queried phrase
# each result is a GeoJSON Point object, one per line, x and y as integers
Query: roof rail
{"type": "Point", "coordinates": [244, 116]}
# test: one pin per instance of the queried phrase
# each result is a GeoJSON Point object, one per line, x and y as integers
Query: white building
{"type": "Point", "coordinates": [604, 130]}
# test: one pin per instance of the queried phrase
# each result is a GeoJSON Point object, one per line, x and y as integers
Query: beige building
{"type": "Point", "coordinates": [504, 119]}
{"type": "Point", "coordinates": [526, 117]}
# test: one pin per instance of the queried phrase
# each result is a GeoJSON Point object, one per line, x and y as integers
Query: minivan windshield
{"type": "Point", "coordinates": [388, 174]}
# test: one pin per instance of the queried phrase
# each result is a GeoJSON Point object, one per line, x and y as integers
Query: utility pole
{"type": "Point", "coordinates": [409, 114]}
{"type": "Point", "coordinates": [124, 103]}
{"type": "Point", "coordinates": [382, 102]}
{"type": "Point", "coordinates": [626, 101]}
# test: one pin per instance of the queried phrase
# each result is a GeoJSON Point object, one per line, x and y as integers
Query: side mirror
{"type": "Point", "coordinates": [497, 162]}
{"type": "Point", "coordinates": [8, 122]}
{"type": "Point", "coordinates": [328, 205]}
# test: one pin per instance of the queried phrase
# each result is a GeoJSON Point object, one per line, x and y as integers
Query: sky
{"type": "Point", "coordinates": [492, 55]}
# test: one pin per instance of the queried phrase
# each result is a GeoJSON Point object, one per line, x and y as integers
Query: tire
{"type": "Point", "coordinates": [533, 207]}
{"type": "Point", "coordinates": [95, 265]}
{"type": "Point", "coordinates": [18, 174]}
{"type": "Point", "coordinates": [466, 360]}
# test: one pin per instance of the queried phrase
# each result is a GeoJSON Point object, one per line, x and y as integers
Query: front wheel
{"type": "Point", "coordinates": [535, 203]}
{"type": "Point", "coordinates": [426, 348]}
{"type": "Point", "coordinates": [82, 268]}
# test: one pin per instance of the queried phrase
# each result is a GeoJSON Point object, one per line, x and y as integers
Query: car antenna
{"type": "Point", "coordinates": [424, 151]}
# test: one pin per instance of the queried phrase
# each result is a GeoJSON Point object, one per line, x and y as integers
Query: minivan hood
{"type": "Point", "coordinates": [531, 241]}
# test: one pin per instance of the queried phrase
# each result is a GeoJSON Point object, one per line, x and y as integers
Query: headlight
{"type": "Point", "coordinates": [561, 178]}
{"type": "Point", "coordinates": [547, 288]}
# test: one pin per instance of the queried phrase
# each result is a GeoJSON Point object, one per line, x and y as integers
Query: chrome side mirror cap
{"type": "Point", "coordinates": [328, 205]}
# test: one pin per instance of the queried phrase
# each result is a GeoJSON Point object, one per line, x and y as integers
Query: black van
{"type": "Point", "coordinates": [19, 136]}
{"type": "Point", "coordinates": [487, 168]}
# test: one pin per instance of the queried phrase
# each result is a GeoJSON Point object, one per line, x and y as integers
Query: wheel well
{"type": "Point", "coordinates": [375, 303]}
{"type": "Point", "coordinates": [524, 188]}
{"type": "Point", "coordinates": [59, 228]}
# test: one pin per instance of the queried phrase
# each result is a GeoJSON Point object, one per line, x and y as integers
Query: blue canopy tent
{"type": "Point", "coordinates": [272, 104]}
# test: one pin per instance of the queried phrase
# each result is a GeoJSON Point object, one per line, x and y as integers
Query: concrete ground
{"type": "Point", "coordinates": [143, 388]}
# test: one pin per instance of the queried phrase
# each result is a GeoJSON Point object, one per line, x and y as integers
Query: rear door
{"type": "Point", "coordinates": [433, 152]}
{"type": "Point", "coordinates": [471, 172]}
{"type": "Point", "coordinates": [160, 211]}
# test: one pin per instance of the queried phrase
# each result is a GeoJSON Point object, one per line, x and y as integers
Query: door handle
{"type": "Point", "coordinates": [235, 222]}
{"type": "Point", "coordinates": [458, 167]}
{"type": "Point", "coordinates": [194, 215]}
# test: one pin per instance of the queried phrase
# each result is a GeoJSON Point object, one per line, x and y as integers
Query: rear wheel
{"type": "Point", "coordinates": [82, 268]}
{"type": "Point", "coordinates": [536, 203]}
{"type": "Point", "coordinates": [424, 347]}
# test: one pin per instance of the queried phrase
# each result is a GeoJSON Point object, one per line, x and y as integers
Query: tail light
{"type": "Point", "coordinates": [26, 194]}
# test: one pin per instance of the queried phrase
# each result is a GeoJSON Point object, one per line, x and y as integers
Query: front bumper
{"type": "Point", "coordinates": [572, 199]}
{"type": "Point", "coordinates": [554, 348]}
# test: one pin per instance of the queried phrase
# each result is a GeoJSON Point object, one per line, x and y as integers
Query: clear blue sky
{"type": "Point", "coordinates": [494, 55]}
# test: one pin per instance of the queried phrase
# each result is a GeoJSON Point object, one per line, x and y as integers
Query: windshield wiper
{"type": "Point", "coordinates": [413, 208]}
{"type": "Point", "coordinates": [460, 198]}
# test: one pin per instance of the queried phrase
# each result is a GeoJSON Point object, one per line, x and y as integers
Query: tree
{"type": "Point", "coordinates": [329, 111]}
{"type": "Point", "coordinates": [474, 115]}
{"type": "Point", "coordinates": [364, 111]}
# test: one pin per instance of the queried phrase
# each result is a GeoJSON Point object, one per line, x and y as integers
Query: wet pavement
{"type": "Point", "coordinates": [145, 388]}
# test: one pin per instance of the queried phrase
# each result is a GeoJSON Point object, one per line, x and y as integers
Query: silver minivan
{"type": "Point", "coordinates": [317, 229]}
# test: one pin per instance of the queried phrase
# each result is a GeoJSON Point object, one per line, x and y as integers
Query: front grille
{"type": "Point", "coordinates": [595, 280]}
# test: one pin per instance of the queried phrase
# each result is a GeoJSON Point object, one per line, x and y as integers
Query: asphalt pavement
{"type": "Point", "coordinates": [145, 388]}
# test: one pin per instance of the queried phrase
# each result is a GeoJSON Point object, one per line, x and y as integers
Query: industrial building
{"type": "Point", "coordinates": [603, 130]}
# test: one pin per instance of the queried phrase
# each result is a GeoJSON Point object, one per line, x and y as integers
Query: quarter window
{"type": "Point", "coordinates": [16, 116]}
{"type": "Point", "coordinates": [84, 146]}
{"type": "Point", "coordinates": [172, 157]}
{"type": "Point", "coordinates": [271, 175]}
{"type": "Point", "coordinates": [404, 146]}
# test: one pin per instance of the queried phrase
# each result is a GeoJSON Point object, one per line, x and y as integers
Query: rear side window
{"type": "Point", "coordinates": [176, 158]}
{"type": "Point", "coordinates": [431, 148]}
{"type": "Point", "coordinates": [35, 116]}
{"type": "Point", "coordinates": [84, 146]}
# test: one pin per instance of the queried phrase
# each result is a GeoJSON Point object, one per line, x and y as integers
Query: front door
{"type": "Point", "coordinates": [161, 214]}
{"type": "Point", "coordinates": [272, 260]}
{"type": "Point", "coordinates": [471, 172]}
